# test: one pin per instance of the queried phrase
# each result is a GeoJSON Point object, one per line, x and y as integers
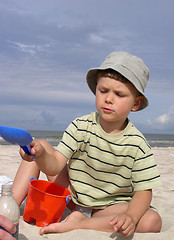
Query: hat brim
{"type": "Point", "coordinates": [91, 78]}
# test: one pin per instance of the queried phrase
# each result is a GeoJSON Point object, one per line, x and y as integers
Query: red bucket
{"type": "Point", "coordinates": [46, 202]}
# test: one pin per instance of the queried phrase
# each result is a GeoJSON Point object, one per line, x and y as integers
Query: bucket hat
{"type": "Point", "coordinates": [129, 66]}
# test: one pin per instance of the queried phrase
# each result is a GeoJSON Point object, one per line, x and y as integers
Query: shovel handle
{"type": "Point", "coordinates": [27, 150]}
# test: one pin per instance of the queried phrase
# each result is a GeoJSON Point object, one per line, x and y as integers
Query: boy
{"type": "Point", "coordinates": [111, 169]}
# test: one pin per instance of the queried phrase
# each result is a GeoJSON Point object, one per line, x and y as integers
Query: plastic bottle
{"type": "Point", "coordinates": [9, 207]}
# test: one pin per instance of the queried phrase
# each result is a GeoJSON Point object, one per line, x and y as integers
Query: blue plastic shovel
{"type": "Point", "coordinates": [17, 136]}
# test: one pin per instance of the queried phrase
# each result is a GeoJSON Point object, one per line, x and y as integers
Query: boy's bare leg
{"type": "Point", "coordinates": [25, 171]}
{"type": "Point", "coordinates": [150, 222]}
{"type": "Point", "coordinates": [100, 220]}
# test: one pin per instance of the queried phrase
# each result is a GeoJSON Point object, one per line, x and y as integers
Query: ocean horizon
{"type": "Point", "coordinates": [54, 137]}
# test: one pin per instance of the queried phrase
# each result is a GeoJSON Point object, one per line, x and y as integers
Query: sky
{"type": "Point", "coordinates": [47, 47]}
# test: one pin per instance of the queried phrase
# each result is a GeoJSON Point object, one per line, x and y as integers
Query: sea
{"type": "Point", "coordinates": [54, 137]}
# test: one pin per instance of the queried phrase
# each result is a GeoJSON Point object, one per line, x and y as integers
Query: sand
{"type": "Point", "coordinates": [163, 200]}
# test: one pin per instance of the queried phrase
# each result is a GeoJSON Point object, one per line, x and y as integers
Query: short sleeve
{"type": "Point", "coordinates": [145, 174]}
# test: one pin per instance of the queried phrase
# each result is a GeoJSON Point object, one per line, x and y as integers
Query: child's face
{"type": "Point", "coordinates": [115, 100]}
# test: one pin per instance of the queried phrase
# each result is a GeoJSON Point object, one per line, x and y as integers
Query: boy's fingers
{"type": "Point", "coordinates": [129, 231]}
{"type": "Point", "coordinates": [127, 228]}
{"type": "Point", "coordinates": [36, 148]}
{"type": "Point", "coordinates": [113, 221]}
{"type": "Point", "coordinates": [119, 224]}
{"type": "Point", "coordinates": [116, 222]}
{"type": "Point", "coordinates": [127, 223]}
{"type": "Point", "coordinates": [25, 156]}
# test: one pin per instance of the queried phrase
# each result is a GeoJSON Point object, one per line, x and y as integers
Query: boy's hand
{"type": "Point", "coordinates": [25, 156]}
{"type": "Point", "coordinates": [124, 224]}
{"type": "Point", "coordinates": [36, 149]}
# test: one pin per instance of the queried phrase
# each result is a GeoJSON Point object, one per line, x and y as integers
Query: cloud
{"type": "Point", "coordinates": [46, 50]}
{"type": "Point", "coordinates": [164, 121]}
{"type": "Point", "coordinates": [30, 49]}
{"type": "Point", "coordinates": [96, 39]}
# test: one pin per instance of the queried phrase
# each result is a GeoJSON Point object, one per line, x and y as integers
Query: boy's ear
{"type": "Point", "coordinates": [138, 103]}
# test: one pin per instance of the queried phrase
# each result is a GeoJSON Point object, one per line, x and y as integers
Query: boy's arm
{"type": "Point", "coordinates": [139, 204]}
{"type": "Point", "coordinates": [49, 160]}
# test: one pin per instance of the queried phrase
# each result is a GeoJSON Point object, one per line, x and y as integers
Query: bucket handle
{"type": "Point", "coordinates": [32, 178]}
{"type": "Point", "coordinates": [68, 198]}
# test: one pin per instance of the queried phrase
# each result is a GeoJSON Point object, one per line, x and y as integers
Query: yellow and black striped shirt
{"type": "Point", "coordinates": [105, 169]}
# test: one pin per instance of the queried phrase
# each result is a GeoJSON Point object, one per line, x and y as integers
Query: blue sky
{"type": "Point", "coordinates": [47, 47]}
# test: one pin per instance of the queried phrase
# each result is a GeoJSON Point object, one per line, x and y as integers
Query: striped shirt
{"type": "Point", "coordinates": [105, 169]}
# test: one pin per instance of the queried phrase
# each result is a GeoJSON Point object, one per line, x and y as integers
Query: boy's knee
{"type": "Point", "coordinates": [154, 223]}
{"type": "Point", "coordinates": [151, 222]}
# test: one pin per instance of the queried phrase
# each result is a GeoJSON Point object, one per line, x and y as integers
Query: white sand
{"type": "Point", "coordinates": [163, 200]}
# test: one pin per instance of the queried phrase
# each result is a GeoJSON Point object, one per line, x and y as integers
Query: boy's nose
{"type": "Point", "coordinates": [109, 98]}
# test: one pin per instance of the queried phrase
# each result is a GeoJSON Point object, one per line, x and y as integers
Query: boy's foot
{"type": "Point", "coordinates": [72, 222]}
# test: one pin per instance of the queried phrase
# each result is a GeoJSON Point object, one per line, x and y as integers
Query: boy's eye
{"type": "Point", "coordinates": [103, 90]}
{"type": "Point", "coordinates": [119, 94]}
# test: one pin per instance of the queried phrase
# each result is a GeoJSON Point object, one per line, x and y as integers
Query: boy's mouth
{"type": "Point", "coordinates": [107, 110]}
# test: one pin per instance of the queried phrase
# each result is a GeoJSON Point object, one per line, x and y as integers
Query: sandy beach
{"type": "Point", "coordinates": [163, 200]}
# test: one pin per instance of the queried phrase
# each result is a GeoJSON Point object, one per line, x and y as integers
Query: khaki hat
{"type": "Point", "coordinates": [131, 67]}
